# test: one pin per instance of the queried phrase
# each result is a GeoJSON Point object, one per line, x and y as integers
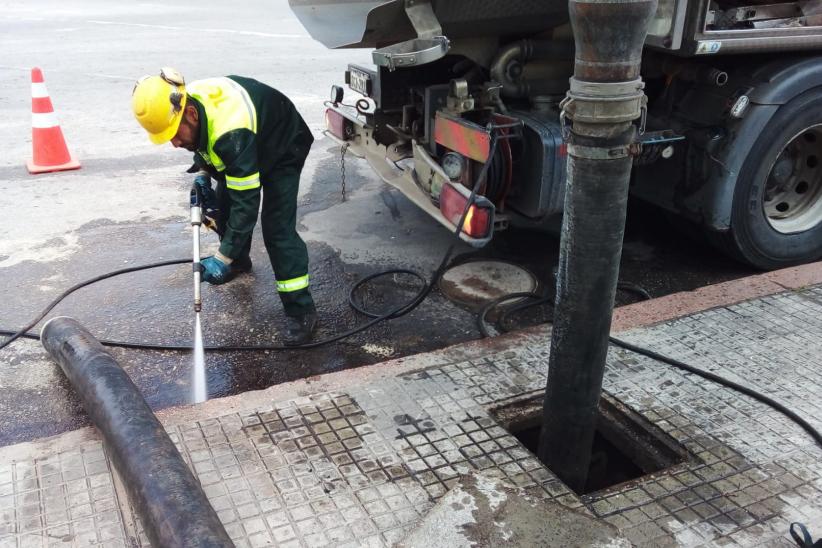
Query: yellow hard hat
{"type": "Point", "coordinates": [158, 103]}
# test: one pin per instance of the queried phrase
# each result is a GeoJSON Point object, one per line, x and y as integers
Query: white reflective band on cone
{"type": "Point", "coordinates": [38, 90]}
{"type": "Point", "coordinates": [44, 120]}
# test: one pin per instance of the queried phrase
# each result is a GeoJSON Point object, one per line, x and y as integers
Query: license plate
{"type": "Point", "coordinates": [360, 82]}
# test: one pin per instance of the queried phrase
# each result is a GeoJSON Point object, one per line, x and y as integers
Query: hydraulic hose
{"type": "Point", "coordinates": [24, 331]}
{"type": "Point", "coordinates": [762, 398]}
{"type": "Point", "coordinates": [401, 310]}
{"type": "Point", "coordinates": [537, 300]}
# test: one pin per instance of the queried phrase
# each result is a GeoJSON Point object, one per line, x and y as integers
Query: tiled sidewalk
{"type": "Point", "coordinates": [361, 458]}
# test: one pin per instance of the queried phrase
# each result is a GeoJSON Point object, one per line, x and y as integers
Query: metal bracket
{"type": "Point", "coordinates": [661, 137]}
{"type": "Point", "coordinates": [411, 53]}
{"type": "Point", "coordinates": [565, 130]}
{"type": "Point", "coordinates": [429, 45]}
{"type": "Point", "coordinates": [422, 18]}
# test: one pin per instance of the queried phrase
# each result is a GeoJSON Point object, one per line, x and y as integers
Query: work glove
{"type": "Point", "coordinates": [203, 183]}
{"type": "Point", "coordinates": [210, 212]}
{"type": "Point", "coordinates": [215, 271]}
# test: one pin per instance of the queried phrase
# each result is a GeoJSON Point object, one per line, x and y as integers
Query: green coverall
{"type": "Point", "coordinates": [254, 143]}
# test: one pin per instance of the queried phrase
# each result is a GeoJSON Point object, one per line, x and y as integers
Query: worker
{"type": "Point", "coordinates": [250, 138]}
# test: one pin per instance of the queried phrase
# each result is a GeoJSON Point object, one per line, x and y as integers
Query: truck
{"type": "Point", "coordinates": [730, 140]}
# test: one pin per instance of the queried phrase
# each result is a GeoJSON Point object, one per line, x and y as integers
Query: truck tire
{"type": "Point", "coordinates": [776, 216]}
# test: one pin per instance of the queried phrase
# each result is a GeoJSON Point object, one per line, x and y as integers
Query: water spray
{"type": "Point", "coordinates": [199, 390]}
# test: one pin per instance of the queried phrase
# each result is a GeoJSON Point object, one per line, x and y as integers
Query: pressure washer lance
{"type": "Point", "coordinates": [196, 221]}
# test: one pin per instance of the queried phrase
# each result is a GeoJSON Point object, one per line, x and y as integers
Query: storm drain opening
{"type": "Point", "coordinates": [626, 445]}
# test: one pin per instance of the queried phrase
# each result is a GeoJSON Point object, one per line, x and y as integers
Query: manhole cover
{"type": "Point", "coordinates": [476, 282]}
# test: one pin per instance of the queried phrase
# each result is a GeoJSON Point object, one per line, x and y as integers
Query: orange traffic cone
{"type": "Point", "coordinates": [50, 152]}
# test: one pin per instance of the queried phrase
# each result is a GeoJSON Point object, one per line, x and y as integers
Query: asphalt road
{"type": "Point", "coordinates": [127, 206]}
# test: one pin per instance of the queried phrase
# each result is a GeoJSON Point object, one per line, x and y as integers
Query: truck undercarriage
{"type": "Point", "coordinates": [730, 143]}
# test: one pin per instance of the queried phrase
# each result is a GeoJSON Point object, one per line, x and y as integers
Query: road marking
{"type": "Point", "coordinates": [185, 29]}
{"type": "Point", "coordinates": [21, 18]}
{"type": "Point", "coordinates": [91, 74]}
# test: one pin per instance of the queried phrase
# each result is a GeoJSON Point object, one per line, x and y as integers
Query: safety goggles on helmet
{"type": "Point", "coordinates": [173, 77]}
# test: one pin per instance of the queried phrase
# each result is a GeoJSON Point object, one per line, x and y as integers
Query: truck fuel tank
{"type": "Point", "coordinates": [538, 187]}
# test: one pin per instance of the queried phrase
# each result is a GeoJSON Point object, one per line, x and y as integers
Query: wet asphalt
{"type": "Point", "coordinates": [127, 207]}
{"type": "Point", "coordinates": [155, 307]}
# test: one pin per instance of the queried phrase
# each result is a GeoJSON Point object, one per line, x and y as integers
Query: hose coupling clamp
{"type": "Point", "coordinates": [604, 103]}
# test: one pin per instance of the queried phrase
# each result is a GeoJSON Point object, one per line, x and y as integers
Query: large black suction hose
{"type": "Point", "coordinates": [169, 500]}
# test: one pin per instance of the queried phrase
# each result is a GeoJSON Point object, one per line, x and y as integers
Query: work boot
{"type": "Point", "coordinates": [300, 329]}
{"type": "Point", "coordinates": [241, 265]}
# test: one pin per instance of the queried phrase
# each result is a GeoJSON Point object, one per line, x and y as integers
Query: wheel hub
{"type": "Point", "coordinates": [792, 198]}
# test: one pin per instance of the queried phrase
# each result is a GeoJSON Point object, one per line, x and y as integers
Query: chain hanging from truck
{"type": "Point", "coordinates": [343, 149]}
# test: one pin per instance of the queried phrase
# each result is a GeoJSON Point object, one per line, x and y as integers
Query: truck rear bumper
{"type": "Point", "coordinates": [403, 177]}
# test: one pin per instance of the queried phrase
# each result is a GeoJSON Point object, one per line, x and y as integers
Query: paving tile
{"type": "Point", "coordinates": [362, 467]}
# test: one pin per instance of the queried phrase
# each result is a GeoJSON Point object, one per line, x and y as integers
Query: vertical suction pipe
{"type": "Point", "coordinates": [169, 500]}
{"type": "Point", "coordinates": [604, 99]}
{"type": "Point", "coordinates": [196, 221]}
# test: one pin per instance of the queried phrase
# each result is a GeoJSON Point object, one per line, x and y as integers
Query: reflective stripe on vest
{"type": "Point", "coordinates": [294, 284]}
{"type": "Point", "coordinates": [227, 106]}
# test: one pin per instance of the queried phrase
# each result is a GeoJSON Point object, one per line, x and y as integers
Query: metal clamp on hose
{"type": "Point", "coordinates": [604, 103]}
{"type": "Point", "coordinates": [598, 153]}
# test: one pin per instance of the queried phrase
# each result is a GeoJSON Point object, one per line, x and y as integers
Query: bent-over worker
{"type": "Point", "coordinates": [250, 138]}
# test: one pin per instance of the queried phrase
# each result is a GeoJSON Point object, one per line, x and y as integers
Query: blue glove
{"type": "Point", "coordinates": [215, 271]}
{"type": "Point", "coordinates": [211, 215]}
{"type": "Point", "coordinates": [203, 182]}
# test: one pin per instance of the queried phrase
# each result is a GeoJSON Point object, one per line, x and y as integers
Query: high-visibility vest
{"type": "Point", "coordinates": [227, 107]}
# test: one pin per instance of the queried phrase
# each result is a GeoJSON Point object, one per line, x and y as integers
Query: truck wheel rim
{"type": "Point", "coordinates": [792, 200]}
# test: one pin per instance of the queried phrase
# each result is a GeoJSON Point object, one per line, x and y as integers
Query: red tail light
{"type": "Point", "coordinates": [340, 126]}
{"type": "Point", "coordinates": [478, 220]}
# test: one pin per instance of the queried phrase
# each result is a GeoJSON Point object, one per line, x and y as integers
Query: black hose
{"type": "Point", "coordinates": [405, 309]}
{"type": "Point", "coordinates": [23, 332]}
{"type": "Point", "coordinates": [401, 310]}
{"type": "Point", "coordinates": [168, 498]}
{"type": "Point", "coordinates": [634, 288]}
{"type": "Point", "coordinates": [395, 313]}
{"type": "Point", "coordinates": [724, 382]}
{"type": "Point", "coordinates": [410, 305]}
{"type": "Point", "coordinates": [352, 300]}
{"type": "Point", "coordinates": [532, 300]}
{"type": "Point", "coordinates": [482, 324]}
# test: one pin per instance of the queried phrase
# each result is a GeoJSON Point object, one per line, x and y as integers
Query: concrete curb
{"type": "Point", "coordinates": [676, 305]}
{"type": "Point", "coordinates": [626, 317]}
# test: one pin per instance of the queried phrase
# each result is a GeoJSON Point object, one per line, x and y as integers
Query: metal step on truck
{"type": "Point", "coordinates": [731, 136]}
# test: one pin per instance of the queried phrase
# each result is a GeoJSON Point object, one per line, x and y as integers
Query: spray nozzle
{"type": "Point", "coordinates": [196, 200]}
{"type": "Point", "coordinates": [196, 196]}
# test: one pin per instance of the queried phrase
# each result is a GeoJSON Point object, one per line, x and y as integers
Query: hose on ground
{"type": "Point", "coordinates": [758, 396]}
{"type": "Point", "coordinates": [537, 300]}
{"type": "Point", "coordinates": [405, 308]}
{"type": "Point", "coordinates": [398, 311]}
